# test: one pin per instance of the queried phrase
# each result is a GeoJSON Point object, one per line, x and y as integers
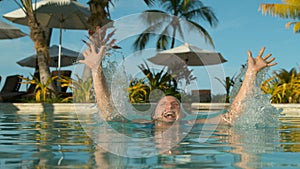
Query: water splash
{"type": "Point", "coordinates": [237, 83]}
{"type": "Point", "coordinates": [118, 79]}
{"type": "Point", "coordinates": [259, 112]}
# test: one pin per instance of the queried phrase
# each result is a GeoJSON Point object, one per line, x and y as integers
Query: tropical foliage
{"type": "Point", "coordinates": [82, 89]}
{"type": "Point", "coordinates": [288, 9]}
{"type": "Point", "coordinates": [156, 83]}
{"type": "Point", "coordinates": [180, 72]}
{"type": "Point", "coordinates": [138, 91]}
{"type": "Point", "coordinates": [162, 26]}
{"type": "Point", "coordinates": [42, 91]}
{"type": "Point", "coordinates": [283, 86]}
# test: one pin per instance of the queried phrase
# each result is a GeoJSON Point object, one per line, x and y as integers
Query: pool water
{"type": "Point", "coordinates": [60, 140]}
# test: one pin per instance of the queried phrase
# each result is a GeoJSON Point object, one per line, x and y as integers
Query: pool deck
{"type": "Point", "coordinates": [291, 110]}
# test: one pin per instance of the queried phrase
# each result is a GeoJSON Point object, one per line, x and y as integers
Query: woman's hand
{"type": "Point", "coordinates": [258, 63]}
{"type": "Point", "coordinates": [93, 56]}
{"type": "Point", "coordinates": [97, 47]}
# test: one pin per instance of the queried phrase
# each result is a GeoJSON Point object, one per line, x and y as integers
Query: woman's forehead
{"type": "Point", "coordinates": [169, 99]}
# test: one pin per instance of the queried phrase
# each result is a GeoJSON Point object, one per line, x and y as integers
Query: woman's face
{"type": "Point", "coordinates": [167, 109]}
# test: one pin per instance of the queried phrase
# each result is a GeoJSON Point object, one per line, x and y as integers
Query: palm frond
{"type": "Point", "coordinates": [150, 2]}
{"type": "Point", "coordinates": [282, 10]}
{"type": "Point", "coordinates": [154, 17]}
{"type": "Point", "coordinates": [188, 5]}
{"type": "Point", "coordinates": [143, 39]}
{"type": "Point", "coordinates": [205, 13]}
{"type": "Point", "coordinates": [180, 31]}
{"type": "Point", "coordinates": [202, 31]}
{"type": "Point", "coordinates": [296, 28]}
{"type": "Point", "coordinates": [162, 41]}
{"type": "Point", "coordinates": [164, 36]}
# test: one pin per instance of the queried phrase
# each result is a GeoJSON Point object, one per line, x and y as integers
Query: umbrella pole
{"type": "Point", "coordinates": [59, 57]}
{"type": "Point", "coordinates": [59, 49]}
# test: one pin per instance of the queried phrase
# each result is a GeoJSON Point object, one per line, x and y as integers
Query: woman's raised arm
{"type": "Point", "coordinates": [254, 66]}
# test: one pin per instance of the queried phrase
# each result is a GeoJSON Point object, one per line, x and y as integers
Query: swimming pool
{"type": "Point", "coordinates": [58, 140]}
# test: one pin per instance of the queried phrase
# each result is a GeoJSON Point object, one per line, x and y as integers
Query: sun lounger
{"type": "Point", "coordinates": [10, 89]}
{"type": "Point", "coordinates": [203, 96]}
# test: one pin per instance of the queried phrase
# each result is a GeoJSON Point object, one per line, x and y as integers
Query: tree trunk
{"type": "Point", "coordinates": [37, 34]}
{"type": "Point", "coordinates": [98, 14]}
{"type": "Point", "coordinates": [48, 33]}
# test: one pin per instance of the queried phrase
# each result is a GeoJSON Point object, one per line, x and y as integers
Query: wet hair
{"type": "Point", "coordinates": [176, 95]}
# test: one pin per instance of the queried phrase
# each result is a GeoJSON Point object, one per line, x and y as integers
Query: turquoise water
{"type": "Point", "coordinates": [60, 140]}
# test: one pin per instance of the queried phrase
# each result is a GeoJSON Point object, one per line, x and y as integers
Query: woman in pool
{"type": "Point", "coordinates": [168, 108]}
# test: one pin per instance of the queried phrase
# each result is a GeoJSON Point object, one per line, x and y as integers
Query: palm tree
{"type": "Point", "coordinates": [39, 38]}
{"type": "Point", "coordinates": [190, 10]}
{"type": "Point", "coordinates": [288, 9]}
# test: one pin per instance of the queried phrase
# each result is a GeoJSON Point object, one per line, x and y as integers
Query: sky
{"type": "Point", "coordinates": [241, 27]}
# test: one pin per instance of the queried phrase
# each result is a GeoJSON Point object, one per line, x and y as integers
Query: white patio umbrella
{"type": "Point", "coordinates": [67, 14]}
{"type": "Point", "coordinates": [68, 58]}
{"type": "Point", "coordinates": [189, 54]}
{"type": "Point", "coordinates": [8, 31]}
